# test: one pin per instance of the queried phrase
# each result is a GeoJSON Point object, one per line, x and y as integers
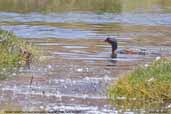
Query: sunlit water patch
{"type": "Point", "coordinates": [92, 88]}
{"type": "Point", "coordinates": [75, 47]}
{"type": "Point", "coordinates": [61, 89]}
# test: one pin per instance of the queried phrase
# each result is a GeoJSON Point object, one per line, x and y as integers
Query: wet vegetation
{"type": "Point", "coordinates": [115, 6]}
{"type": "Point", "coordinates": [63, 5]}
{"type": "Point", "coordinates": [148, 87]}
{"type": "Point", "coordinates": [14, 53]}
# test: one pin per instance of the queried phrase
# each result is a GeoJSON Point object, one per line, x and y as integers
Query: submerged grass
{"type": "Point", "coordinates": [11, 56]}
{"type": "Point", "coordinates": [144, 87]}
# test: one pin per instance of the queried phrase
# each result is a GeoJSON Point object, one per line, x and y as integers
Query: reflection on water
{"type": "Point", "coordinates": [75, 68]}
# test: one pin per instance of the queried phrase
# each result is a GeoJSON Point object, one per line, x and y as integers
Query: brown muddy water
{"type": "Point", "coordinates": [75, 69]}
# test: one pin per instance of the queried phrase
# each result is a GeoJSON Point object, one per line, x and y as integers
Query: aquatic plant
{"type": "Point", "coordinates": [147, 86]}
{"type": "Point", "coordinates": [13, 52]}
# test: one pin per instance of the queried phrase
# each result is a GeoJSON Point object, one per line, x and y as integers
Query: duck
{"type": "Point", "coordinates": [114, 44]}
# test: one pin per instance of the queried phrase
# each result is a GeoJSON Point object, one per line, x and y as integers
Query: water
{"type": "Point", "coordinates": [75, 68]}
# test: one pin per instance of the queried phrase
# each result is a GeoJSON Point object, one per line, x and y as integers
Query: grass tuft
{"type": "Point", "coordinates": [145, 85]}
{"type": "Point", "coordinates": [11, 56]}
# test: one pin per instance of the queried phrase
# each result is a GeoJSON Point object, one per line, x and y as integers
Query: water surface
{"type": "Point", "coordinates": [75, 69]}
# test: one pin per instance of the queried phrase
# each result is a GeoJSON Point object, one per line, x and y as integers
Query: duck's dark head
{"type": "Point", "coordinates": [113, 42]}
{"type": "Point", "coordinates": [107, 39]}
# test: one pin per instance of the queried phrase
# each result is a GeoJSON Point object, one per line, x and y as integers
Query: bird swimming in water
{"type": "Point", "coordinates": [114, 44]}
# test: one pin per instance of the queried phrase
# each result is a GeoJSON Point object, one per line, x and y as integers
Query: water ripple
{"type": "Point", "coordinates": [89, 18]}
{"type": "Point", "coordinates": [27, 31]}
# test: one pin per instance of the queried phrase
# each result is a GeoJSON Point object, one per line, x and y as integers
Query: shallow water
{"type": "Point", "coordinates": [75, 69]}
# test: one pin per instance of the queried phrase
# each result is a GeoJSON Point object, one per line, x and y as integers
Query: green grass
{"type": "Point", "coordinates": [144, 86]}
{"type": "Point", "coordinates": [10, 49]}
